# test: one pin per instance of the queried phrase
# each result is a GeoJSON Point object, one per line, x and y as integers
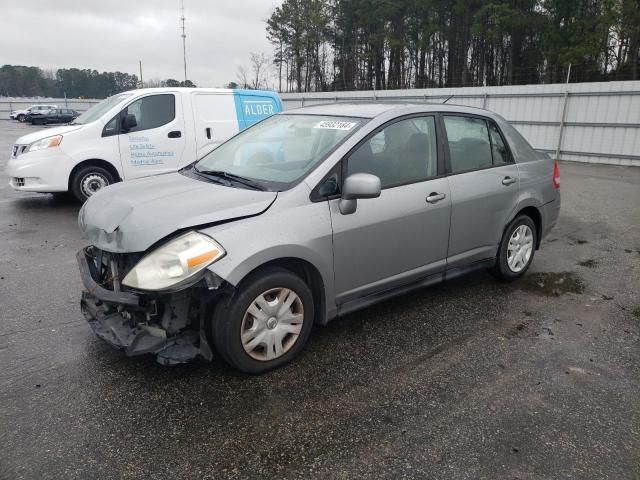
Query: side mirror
{"type": "Point", "coordinates": [128, 122]}
{"type": "Point", "coordinates": [358, 185]}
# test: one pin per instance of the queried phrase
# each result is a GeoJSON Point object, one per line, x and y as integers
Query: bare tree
{"type": "Point", "coordinates": [243, 77]}
{"type": "Point", "coordinates": [259, 69]}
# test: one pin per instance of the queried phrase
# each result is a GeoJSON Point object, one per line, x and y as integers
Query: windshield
{"type": "Point", "coordinates": [100, 109]}
{"type": "Point", "coordinates": [279, 150]}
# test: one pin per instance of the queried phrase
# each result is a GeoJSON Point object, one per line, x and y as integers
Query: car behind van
{"type": "Point", "coordinates": [134, 134]}
{"type": "Point", "coordinates": [21, 115]}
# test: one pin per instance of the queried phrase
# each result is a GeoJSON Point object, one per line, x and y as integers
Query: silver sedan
{"type": "Point", "coordinates": [307, 216]}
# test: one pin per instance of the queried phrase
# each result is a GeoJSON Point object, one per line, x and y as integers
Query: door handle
{"type": "Point", "coordinates": [175, 134]}
{"type": "Point", "coordinates": [509, 181]}
{"type": "Point", "coordinates": [435, 197]}
{"type": "Point", "coordinates": [208, 132]}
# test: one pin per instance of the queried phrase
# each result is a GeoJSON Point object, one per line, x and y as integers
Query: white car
{"type": "Point", "coordinates": [21, 115]}
{"type": "Point", "coordinates": [134, 134]}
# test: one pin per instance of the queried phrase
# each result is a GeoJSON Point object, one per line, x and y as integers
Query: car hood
{"type": "Point", "coordinates": [47, 132]}
{"type": "Point", "coordinates": [132, 216]}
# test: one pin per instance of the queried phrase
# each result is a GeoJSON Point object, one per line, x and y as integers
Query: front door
{"type": "Point", "coordinates": [401, 236]}
{"type": "Point", "coordinates": [156, 144]}
{"type": "Point", "coordinates": [484, 183]}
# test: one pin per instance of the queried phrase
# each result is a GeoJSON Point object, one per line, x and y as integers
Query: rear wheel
{"type": "Point", "coordinates": [266, 324]}
{"type": "Point", "coordinates": [517, 248]}
{"type": "Point", "coordinates": [89, 180]}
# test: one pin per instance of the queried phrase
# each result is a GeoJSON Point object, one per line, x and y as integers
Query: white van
{"type": "Point", "coordinates": [134, 134]}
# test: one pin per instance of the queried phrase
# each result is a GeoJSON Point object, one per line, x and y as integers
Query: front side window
{"type": "Point", "coordinates": [469, 144]}
{"type": "Point", "coordinates": [152, 111]}
{"type": "Point", "coordinates": [281, 149]}
{"type": "Point", "coordinates": [403, 152]}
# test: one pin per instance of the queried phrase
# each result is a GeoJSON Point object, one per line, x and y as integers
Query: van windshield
{"type": "Point", "coordinates": [100, 109]}
{"type": "Point", "coordinates": [280, 150]}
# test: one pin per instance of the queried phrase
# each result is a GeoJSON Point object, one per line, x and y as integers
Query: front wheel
{"type": "Point", "coordinates": [89, 180]}
{"type": "Point", "coordinates": [517, 248]}
{"type": "Point", "coordinates": [266, 323]}
{"type": "Point", "coordinates": [22, 117]}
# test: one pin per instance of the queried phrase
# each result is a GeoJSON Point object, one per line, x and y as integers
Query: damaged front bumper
{"type": "Point", "coordinates": [169, 325]}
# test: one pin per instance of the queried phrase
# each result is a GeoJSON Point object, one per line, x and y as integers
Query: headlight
{"type": "Point", "coordinates": [46, 143]}
{"type": "Point", "coordinates": [174, 262]}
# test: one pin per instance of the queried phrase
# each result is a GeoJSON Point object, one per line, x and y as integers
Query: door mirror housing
{"type": "Point", "coordinates": [358, 185]}
{"type": "Point", "coordinates": [128, 122]}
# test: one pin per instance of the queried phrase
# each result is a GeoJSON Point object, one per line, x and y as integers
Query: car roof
{"type": "Point", "coordinates": [368, 109]}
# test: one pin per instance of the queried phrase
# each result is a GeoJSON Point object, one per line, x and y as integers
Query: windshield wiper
{"type": "Point", "coordinates": [232, 177]}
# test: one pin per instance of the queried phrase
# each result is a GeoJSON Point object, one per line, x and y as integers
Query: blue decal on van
{"type": "Point", "coordinates": [253, 106]}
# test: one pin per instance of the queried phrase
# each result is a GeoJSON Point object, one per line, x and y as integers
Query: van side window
{"type": "Point", "coordinates": [469, 144]}
{"type": "Point", "coordinates": [500, 151]}
{"type": "Point", "coordinates": [402, 152]}
{"type": "Point", "coordinates": [152, 111]}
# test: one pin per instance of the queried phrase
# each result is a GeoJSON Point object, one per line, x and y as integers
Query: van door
{"type": "Point", "coordinates": [156, 144]}
{"type": "Point", "coordinates": [215, 119]}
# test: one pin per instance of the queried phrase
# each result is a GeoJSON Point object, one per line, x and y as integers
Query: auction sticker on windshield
{"type": "Point", "coordinates": [335, 125]}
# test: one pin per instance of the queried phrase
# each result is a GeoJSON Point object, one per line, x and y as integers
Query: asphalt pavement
{"type": "Point", "coordinates": [474, 379]}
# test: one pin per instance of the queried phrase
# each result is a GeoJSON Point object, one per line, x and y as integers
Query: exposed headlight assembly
{"type": "Point", "coordinates": [46, 143]}
{"type": "Point", "coordinates": [174, 262]}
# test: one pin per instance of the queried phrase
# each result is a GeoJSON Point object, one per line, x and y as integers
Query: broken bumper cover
{"type": "Point", "coordinates": [139, 323]}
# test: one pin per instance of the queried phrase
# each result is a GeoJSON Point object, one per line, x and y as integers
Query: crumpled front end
{"type": "Point", "coordinates": [170, 325]}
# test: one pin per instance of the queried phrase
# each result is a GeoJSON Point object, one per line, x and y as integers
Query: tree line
{"type": "Point", "coordinates": [21, 81]}
{"type": "Point", "coordinates": [322, 45]}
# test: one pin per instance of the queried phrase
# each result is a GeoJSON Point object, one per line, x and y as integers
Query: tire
{"type": "Point", "coordinates": [508, 267]}
{"type": "Point", "coordinates": [88, 180]}
{"type": "Point", "coordinates": [232, 317]}
{"type": "Point", "coordinates": [21, 118]}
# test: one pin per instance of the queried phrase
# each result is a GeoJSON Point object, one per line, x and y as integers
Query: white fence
{"type": "Point", "coordinates": [587, 122]}
{"type": "Point", "coordinates": [9, 104]}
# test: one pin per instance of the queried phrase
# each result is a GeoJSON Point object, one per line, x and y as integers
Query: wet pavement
{"type": "Point", "coordinates": [539, 379]}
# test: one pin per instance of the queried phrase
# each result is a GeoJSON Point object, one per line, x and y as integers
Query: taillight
{"type": "Point", "coordinates": [556, 174]}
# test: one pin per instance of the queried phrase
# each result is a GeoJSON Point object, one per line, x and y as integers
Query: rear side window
{"type": "Point", "coordinates": [152, 111]}
{"type": "Point", "coordinates": [469, 143]}
{"type": "Point", "coordinates": [500, 151]}
{"type": "Point", "coordinates": [401, 153]}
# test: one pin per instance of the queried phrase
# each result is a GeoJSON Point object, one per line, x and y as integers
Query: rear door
{"type": "Point", "coordinates": [53, 116]}
{"type": "Point", "coordinates": [484, 184]}
{"type": "Point", "coordinates": [156, 144]}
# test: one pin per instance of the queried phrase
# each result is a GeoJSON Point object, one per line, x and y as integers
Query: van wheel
{"type": "Point", "coordinates": [88, 180]}
{"type": "Point", "coordinates": [516, 251]}
{"type": "Point", "coordinates": [22, 117]}
{"type": "Point", "coordinates": [266, 323]}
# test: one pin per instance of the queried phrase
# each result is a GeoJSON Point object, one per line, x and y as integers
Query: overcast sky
{"type": "Point", "coordinates": [113, 35]}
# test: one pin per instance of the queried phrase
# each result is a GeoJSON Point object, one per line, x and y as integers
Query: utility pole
{"type": "Point", "coordinates": [141, 84]}
{"type": "Point", "coordinates": [184, 41]}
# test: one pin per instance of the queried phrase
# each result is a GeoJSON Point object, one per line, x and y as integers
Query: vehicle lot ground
{"type": "Point", "coordinates": [539, 379]}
